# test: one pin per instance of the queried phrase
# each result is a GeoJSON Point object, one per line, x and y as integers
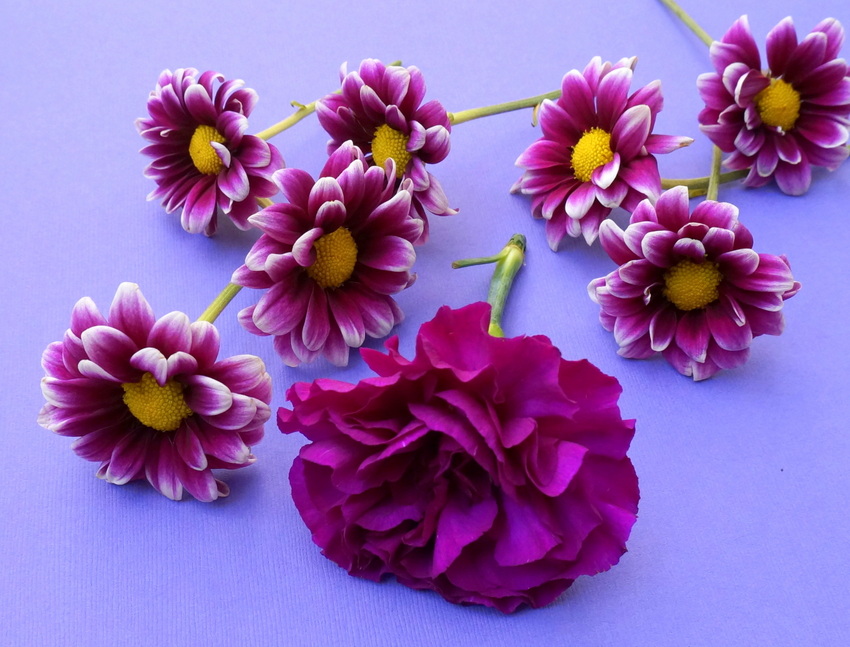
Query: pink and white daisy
{"type": "Point", "coordinates": [380, 109]}
{"type": "Point", "coordinates": [781, 121]}
{"type": "Point", "coordinates": [689, 285]}
{"type": "Point", "coordinates": [597, 150]}
{"type": "Point", "coordinates": [149, 399]}
{"type": "Point", "coordinates": [202, 159]}
{"type": "Point", "coordinates": [330, 258]}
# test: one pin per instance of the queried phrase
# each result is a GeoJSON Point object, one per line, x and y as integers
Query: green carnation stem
{"type": "Point", "coordinates": [508, 262]}
{"type": "Point", "coordinates": [220, 303]}
{"type": "Point", "coordinates": [509, 106]}
{"type": "Point", "coordinates": [690, 23]}
{"type": "Point", "coordinates": [698, 186]}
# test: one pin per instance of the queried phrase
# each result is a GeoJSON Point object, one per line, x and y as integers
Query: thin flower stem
{"type": "Point", "coordinates": [508, 262]}
{"type": "Point", "coordinates": [264, 202]}
{"type": "Point", "coordinates": [714, 179]}
{"type": "Point", "coordinates": [690, 23]}
{"type": "Point", "coordinates": [291, 120]}
{"type": "Point", "coordinates": [698, 186]}
{"type": "Point", "coordinates": [486, 111]}
{"type": "Point", "coordinates": [220, 303]}
{"type": "Point", "coordinates": [299, 114]}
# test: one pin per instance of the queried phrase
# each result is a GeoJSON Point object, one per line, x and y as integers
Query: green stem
{"type": "Point", "coordinates": [475, 113]}
{"type": "Point", "coordinates": [690, 23]}
{"type": "Point", "coordinates": [698, 186]}
{"type": "Point", "coordinates": [220, 303]}
{"type": "Point", "coordinates": [508, 262]}
{"type": "Point", "coordinates": [714, 179]}
{"type": "Point", "coordinates": [291, 120]}
{"type": "Point", "coordinates": [301, 112]}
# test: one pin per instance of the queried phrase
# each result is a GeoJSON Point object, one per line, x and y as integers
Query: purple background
{"type": "Point", "coordinates": [743, 529]}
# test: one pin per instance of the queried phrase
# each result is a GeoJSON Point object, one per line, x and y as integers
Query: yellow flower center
{"type": "Point", "coordinates": [689, 285]}
{"type": "Point", "coordinates": [160, 407]}
{"type": "Point", "coordinates": [778, 105]}
{"type": "Point", "coordinates": [592, 151]}
{"type": "Point", "coordinates": [390, 143]}
{"type": "Point", "coordinates": [203, 155]}
{"type": "Point", "coordinates": [336, 255]}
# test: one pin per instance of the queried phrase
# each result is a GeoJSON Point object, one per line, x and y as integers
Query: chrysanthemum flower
{"type": "Point", "coordinates": [596, 152]}
{"type": "Point", "coordinates": [690, 285]}
{"type": "Point", "coordinates": [330, 258]}
{"type": "Point", "coordinates": [202, 158]}
{"type": "Point", "coordinates": [149, 399]}
{"type": "Point", "coordinates": [778, 122]}
{"type": "Point", "coordinates": [487, 469]}
{"type": "Point", "coordinates": [380, 109]}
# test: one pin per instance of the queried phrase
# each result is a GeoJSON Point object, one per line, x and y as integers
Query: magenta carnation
{"type": "Point", "coordinates": [202, 159]}
{"type": "Point", "coordinates": [778, 122]}
{"type": "Point", "coordinates": [596, 152]}
{"type": "Point", "coordinates": [149, 399]}
{"type": "Point", "coordinates": [487, 469]}
{"type": "Point", "coordinates": [690, 285]}
{"type": "Point", "coordinates": [380, 109]}
{"type": "Point", "coordinates": [330, 259]}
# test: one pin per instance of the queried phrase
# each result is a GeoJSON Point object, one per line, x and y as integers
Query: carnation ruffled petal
{"type": "Point", "coordinates": [464, 490]}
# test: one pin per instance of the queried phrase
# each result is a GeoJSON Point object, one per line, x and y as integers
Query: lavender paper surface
{"type": "Point", "coordinates": [743, 532]}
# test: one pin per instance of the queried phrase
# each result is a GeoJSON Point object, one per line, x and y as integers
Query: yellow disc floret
{"type": "Point", "coordinates": [390, 143]}
{"type": "Point", "coordinates": [778, 105]}
{"type": "Point", "coordinates": [159, 407]}
{"type": "Point", "coordinates": [204, 157]}
{"type": "Point", "coordinates": [689, 285]}
{"type": "Point", "coordinates": [592, 151]}
{"type": "Point", "coordinates": [336, 255]}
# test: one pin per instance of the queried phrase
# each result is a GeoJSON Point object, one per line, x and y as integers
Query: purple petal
{"type": "Point", "coordinates": [110, 349]}
{"type": "Point", "coordinates": [728, 334]}
{"type": "Point", "coordinates": [631, 130]}
{"type": "Point", "coordinates": [171, 333]}
{"type": "Point", "coordinates": [206, 396]}
{"type": "Point", "coordinates": [781, 43]}
{"type": "Point", "coordinates": [692, 335]}
{"type": "Point", "coordinates": [131, 313]}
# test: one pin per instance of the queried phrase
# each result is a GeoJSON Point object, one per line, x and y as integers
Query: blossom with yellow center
{"type": "Point", "coordinates": [159, 407]}
{"type": "Point", "coordinates": [689, 285]}
{"type": "Point", "coordinates": [204, 157]}
{"type": "Point", "coordinates": [203, 162]}
{"type": "Point", "coordinates": [381, 111]}
{"type": "Point", "coordinates": [597, 151]}
{"type": "Point", "coordinates": [778, 122]}
{"type": "Point", "coordinates": [330, 259]}
{"type": "Point", "coordinates": [336, 255]}
{"type": "Point", "coordinates": [778, 105]}
{"type": "Point", "coordinates": [389, 143]}
{"type": "Point", "coordinates": [592, 151]}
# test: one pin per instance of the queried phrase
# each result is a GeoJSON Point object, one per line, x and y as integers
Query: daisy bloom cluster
{"type": "Point", "coordinates": [149, 399]}
{"type": "Point", "coordinates": [489, 470]}
{"type": "Point", "coordinates": [597, 150]}
{"type": "Point", "coordinates": [330, 258]}
{"type": "Point", "coordinates": [780, 121]}
{"type": "Point", "coordinates": [202, 159]}
{"type": "Point", "coordinates": [380, 109]}
{"type": "Point", "coordinates": [689, 285]}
